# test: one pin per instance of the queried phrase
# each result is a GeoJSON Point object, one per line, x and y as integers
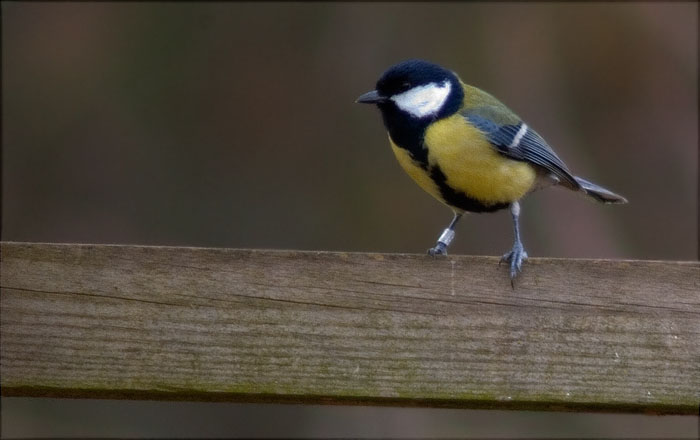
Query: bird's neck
{"type": "Point", "coordinates": [407, 133]}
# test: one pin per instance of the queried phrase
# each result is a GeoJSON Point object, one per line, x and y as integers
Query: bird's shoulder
{"type": "Point", "coordinates": [509, 135]}
{"type": "Point", "coordinates": [484, 106]}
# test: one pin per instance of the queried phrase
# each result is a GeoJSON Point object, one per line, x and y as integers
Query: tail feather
{"type": "Point", "coordinates": [599, 193]}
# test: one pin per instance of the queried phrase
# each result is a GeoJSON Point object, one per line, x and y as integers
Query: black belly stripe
{"type": "Point", "coordinates": [458, 199]}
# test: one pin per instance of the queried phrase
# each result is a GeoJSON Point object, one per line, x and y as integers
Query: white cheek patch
{"type": "Point", "coordinates": [423, 100]}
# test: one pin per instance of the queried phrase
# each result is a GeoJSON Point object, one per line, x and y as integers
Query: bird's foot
{"type": "Point", "coordinates": [439, 249]}
{"type": "Point", "coordinates": [444, 240]}
{"type": "Point", "coordinates": [515, 258]}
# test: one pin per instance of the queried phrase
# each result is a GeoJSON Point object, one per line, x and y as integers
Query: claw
{"type": "Point", "coordinates": [515, 258]}
{"type": "Point", "coordinates": [439, 249]}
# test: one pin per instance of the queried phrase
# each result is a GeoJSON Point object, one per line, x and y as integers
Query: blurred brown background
{"type": "Point", "coordinates": [234, 125]}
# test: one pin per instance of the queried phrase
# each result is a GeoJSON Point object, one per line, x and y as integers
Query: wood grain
{"type": "Point", "coordinates": [141, 322]}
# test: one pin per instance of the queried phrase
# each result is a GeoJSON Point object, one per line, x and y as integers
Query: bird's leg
{"type": "Point", "coordinates": [517, 255]}
{"type": "Point", "coordinates": [445, 238]}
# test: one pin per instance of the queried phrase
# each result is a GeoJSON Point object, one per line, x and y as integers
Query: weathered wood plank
{"type": "Point", "coordinates": [251, 325]}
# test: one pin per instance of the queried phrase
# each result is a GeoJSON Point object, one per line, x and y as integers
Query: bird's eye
{"type": "Point", "coordinates": [405, 86]}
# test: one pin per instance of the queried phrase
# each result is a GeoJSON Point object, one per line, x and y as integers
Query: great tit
{"type": "Point", "coordinates": [467, 149]}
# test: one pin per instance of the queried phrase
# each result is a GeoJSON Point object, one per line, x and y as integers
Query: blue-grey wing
{"type": "Point", "coordinates": [520, 142]}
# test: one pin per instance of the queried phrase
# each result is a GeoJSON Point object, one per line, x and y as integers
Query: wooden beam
{"type": "Point", "coordinates": [138, 322]}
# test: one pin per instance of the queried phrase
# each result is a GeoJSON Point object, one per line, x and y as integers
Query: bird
{"type": "Point", "coordinates": [467, 149]}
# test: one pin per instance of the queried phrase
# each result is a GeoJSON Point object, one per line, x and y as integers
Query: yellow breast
{"type": "Point", "coordinates": [471, 165]}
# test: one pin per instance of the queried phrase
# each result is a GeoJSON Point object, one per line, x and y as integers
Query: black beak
{"type": "Point", "coordinates": [372, 97]}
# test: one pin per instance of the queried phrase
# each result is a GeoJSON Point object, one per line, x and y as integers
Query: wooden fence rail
{"type": "Point", "coordinates": [139, 322]}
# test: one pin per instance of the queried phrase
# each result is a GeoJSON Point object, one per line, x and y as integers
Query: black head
{"type": "Point", "coordinates": [417, 89]}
